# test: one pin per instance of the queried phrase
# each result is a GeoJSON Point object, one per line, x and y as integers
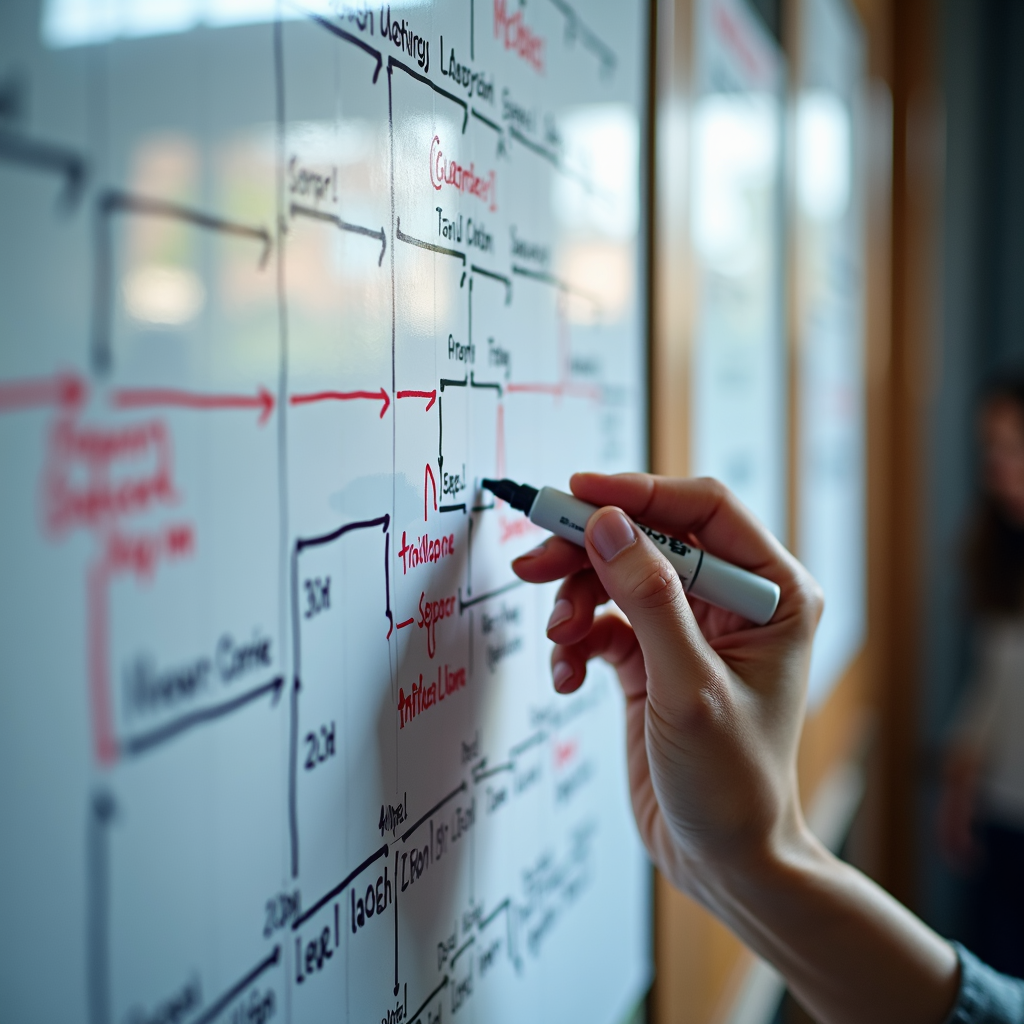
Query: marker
{"type": "Point", "coordinates": [719, 583]}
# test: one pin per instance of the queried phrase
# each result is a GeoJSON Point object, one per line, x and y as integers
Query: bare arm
{"type": "Point", "coordinates": [714, 709]}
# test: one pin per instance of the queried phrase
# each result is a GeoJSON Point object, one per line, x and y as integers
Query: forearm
{"type": "Point", "coordinates": [849, 952]}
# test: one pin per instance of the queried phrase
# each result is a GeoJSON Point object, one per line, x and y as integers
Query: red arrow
{"type": "Point", "coordinates": [343, 396]}
{"type": "Point", "coordinates": [66, 389]}
{"type": "Point", "coordinates": [141, 398]}
{"type": "Point", "coordinates": [432, 395]}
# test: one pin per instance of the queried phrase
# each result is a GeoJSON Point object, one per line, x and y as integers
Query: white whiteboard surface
{"type": "Point", "coordinates": [738, 413]}
{"type": "Point", "coordinates": [277, 288]}
{"type": "Point", "coordinates": [832, 503]}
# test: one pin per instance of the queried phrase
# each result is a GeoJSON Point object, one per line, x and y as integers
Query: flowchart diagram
{"type": "Point", "coordinates": [280, 295]}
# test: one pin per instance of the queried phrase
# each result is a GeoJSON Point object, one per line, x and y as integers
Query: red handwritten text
{"type": "Point", "coordinates": [445, 171]}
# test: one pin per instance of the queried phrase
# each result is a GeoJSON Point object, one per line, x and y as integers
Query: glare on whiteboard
{"type": "Point", "coordinates": [83, 22]}
{"type": "Point", "coordinates": [735, 146]}
{"type": "Point", "coordinates": [602, 154]}
{"type": "Point", "coordinates": [165, 295]}
{"type": "Point", "coordinates": [823, 164]}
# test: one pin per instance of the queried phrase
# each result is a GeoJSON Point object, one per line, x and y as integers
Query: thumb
{"type": "Point", "coordinates": [639, 579]}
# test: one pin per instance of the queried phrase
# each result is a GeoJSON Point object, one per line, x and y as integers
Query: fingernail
{"type": "Point", "coordinates": [612, 534]}
{"type": "Point", "coordinates": [560, 613]}
{"type": "Point", "coordinates": [533, 552]}
{"type": "Point", "coordinates": [561, 673]}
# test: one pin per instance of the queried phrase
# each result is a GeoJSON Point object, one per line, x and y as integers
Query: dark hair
{"type": "Point", "coordinates": [995, 543]}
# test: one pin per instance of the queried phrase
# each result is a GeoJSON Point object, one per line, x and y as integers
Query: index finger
{"type": "Point", "coordinates": [552, 560]}
{"type": "Point", "coordinates": [703, 507]}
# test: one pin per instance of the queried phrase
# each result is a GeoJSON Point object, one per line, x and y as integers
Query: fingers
{"type": "Point", "coordinates": [549, 561]}
{"type": "Point", "coordinates": [610, 638]}
{"type": "Point", "coordinates": [680, 665]}
{"type": "Point", "coordinates": [703, 507]}
{"type": "Point", "coordinates": [719, 520]}
{"type": "Point", "coordinates": [573, 613]}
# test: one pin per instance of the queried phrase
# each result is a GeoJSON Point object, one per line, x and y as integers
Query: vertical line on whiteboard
{"type": "Point", "coordinates": [472, 32]}
{"type": "Point", "coordinates": [101, 811]}
{"type": "Point", "coordinates": [288, 647]}
{"type": "Point", "coordinates": [394, 467]}
{"type": "Point", "coordinates": [396, 922]}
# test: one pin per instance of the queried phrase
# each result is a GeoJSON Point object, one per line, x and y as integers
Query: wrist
{"type": "Point", "coordinates": [788, 863]}
{"type": "Point", "coordinates": [848, 951]}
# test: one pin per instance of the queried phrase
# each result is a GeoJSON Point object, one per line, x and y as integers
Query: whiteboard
{"type": "Point", "coordinates": [830, 207]}
{"type": "Point", "coordinates": [739, 411]}
{"type": "Point", "coordinates": [278, 287]}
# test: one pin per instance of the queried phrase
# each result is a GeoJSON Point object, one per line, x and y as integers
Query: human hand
{"type": "Point", "coordinates": [714, 705]}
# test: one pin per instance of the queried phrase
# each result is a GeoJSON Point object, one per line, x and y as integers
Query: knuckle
{"type": "Point", "coordinates": [715, 488]}
{"type": "Point", "coordinates": [698, 710]}
{"type": "Point", "coordinates": [654, 585]}
{"type": "Point", "coordinates": [810, 600]}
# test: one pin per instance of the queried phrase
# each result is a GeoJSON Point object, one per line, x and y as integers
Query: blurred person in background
{"type": "Point", "coordinates": [981, 817]}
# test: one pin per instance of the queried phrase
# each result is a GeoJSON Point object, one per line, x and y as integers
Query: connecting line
{"type": "Point", "coordinates": [301, 544]}
{"type": "Point", "coordinates": [433, 810]}
{"type": "Point", "coordinates": [121, 202]}
{"type": "Point", "coordinates": [426, 1002]}
{"type": "Point", "coordinates": [48, 157]}
{"type": "Point", "coordinates": [487, 121]}
{"type": "Point", "coordinates": [556, 282]}
{"type": "Point", "coordinates": [507, 282]}
{"type": "Point", "coordinates": [141, 744]}
{"type": "Point", "coordinates": [339, 888]}
{"type": "Point", "coordinates": [474, 383]}
{"type": "Point", "coordinates": [574, 27]}
{"type": "Point", "coordinates": [481, 772]}
{"type": "Point", "coordinates": [505, 904]}
{"type": "Point", "coordinates": [113, 201]}
{"type": "Point", "coordinates": [98, 913]}
{"type": "Point", "coordinates": [541, 151]}
{"type": "Point", "coordinates": [446, 383]}
{"type": "Point", "coordinates": [356, 229]}
{"type": "Point", "coordinates": [347, 36]}
{"type": "Point", "coordinates": [462, 949]}
{"type": "Point", "coordinates": [238, 988]}
{"type": "Point", "coordinates": [393, 63]}
{"type": "Point", "coordinates": [403, 237]}
{"type": "Point", "coordinates": [463, 605]}
{"type": "Point", "coordinates": [461, 507]}
{"type": "Point", "coordinates": [530, 741]}
{"type": "Point", "coordinates": [483, 119]}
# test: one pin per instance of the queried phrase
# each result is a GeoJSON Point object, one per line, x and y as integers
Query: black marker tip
{"type": "Point", "coordinates": [519, 496]}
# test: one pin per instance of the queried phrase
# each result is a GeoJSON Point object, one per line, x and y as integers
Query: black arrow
{"type": "Point", "coordinates": [429, 246]}
{"type": "Point", "coordinates": [463, 605]}
{"type": "Point", "coordinates": [113, 201]}
{"type": "Point", "coordinates": [349, 38]}
{"type": "Point", "coordinates": [575, 27]}
{"type": "Point", "coordinates": [146, 741]}
{"type": "Point", "coordinates": [481, 771]}
{"type": "Point", "coordinates": [474, 383]}
{"type": "Point", "coordinates": [48, 157]}
{"type": "Point", "coordinates": [392, 64]}
{"type": "Point", "coordinates": [344, 225]}
{"type": "Point", "coordinates": [507, 282]}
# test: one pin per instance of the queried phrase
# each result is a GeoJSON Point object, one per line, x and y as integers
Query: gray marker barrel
{"type": "Point", "coordinates": [711, 579]}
